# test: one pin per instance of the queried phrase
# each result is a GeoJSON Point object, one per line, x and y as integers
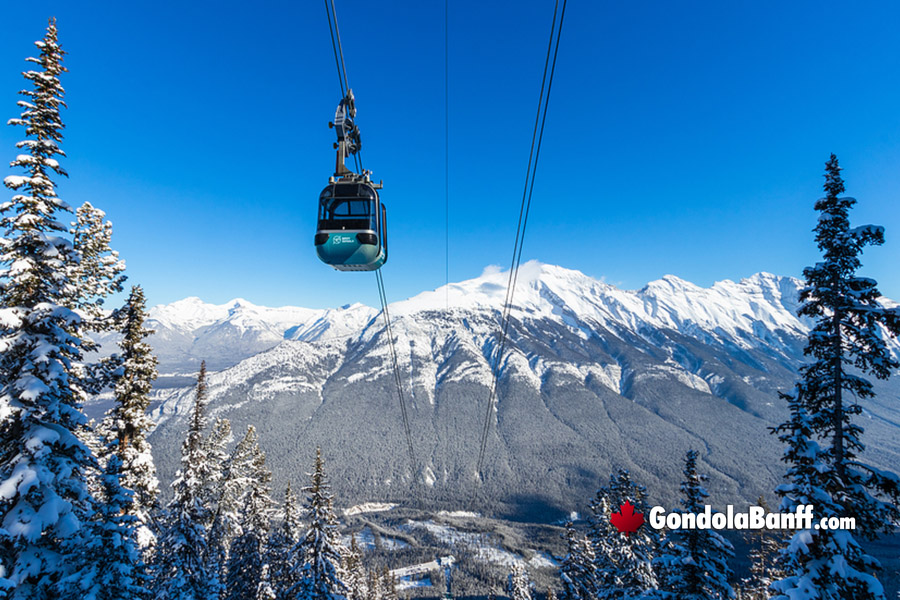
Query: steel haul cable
{"type": "Point", "coordinates": [537, 136]}
{"type": "Point", "coordinates": [396, 367]}
{"type": "Point", "coordinates": [447, 151]}
{"type": "Point", "coordinates": [345, 88]}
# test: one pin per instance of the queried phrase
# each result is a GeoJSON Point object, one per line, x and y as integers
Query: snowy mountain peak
{"type": "Point", "coordinates": [747, 313]}
{"type": "Point", "coordinates": [591, 372]}
{"type": "Point", "coordinates": [187, 313]}
{"type": "Point", "coordinates": [238, 303]}
{"type": "Point", "coordinates": [489, 289]}
{"type": "Point", "coordinates": [726, 309]}
{"type": "Point", "coordinates": [671, 283]}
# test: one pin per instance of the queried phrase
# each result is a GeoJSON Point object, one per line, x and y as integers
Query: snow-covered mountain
{"type": "Point", "coordinates": [224, 334]}
{"type": "Point", "coordinates": [595, 377]}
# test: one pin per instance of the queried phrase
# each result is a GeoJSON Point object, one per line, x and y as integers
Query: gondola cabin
{"type": "Point", "coordinates": [352, 229]}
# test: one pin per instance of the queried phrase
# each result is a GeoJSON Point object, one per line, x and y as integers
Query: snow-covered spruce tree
{"type": "Point", "coordinates": [318, 571]}
{"type": "Point", "coordinates": [623, 564]}
{"type": "Point", "coordinates": [518, 585]}
{"type": "Point", "coordinates": [811, 555]}
{"type": "Point", "coordinates": [127, 422]}
{"type": "Point", "coordinates": [247, 554]}
{"type": "Point", "coordinates": [46, 511]}
{"type": "Point", "coordinates": [217, 466]}
{"type": "Point", "coordinates": [577, 569]}
{"type": "Point", "coordinates": [355, 572]}
{"type": "Point", "coordinates": [387, 585]}
{"type": "Point", "coordinates": [116, 570]}
{"type": "Point", "coordinates": [222, 490]}
{"type": "Point", "coordinates": [98, 272]}
{"type": "Point", "coordinates": [823, 441]}
{"type": "Point", "coordinates": [765, 548]}
{"type": "Point", "coordinates": [265, 590]}
{"type": "Point", "coordinates": [281, 557]}
{"type": "Point", "coordinates": [372, 592]}
{"type": "Point", "coordinates": [184, 568]}
{"type": "Point", "coordinates": [603, 541]}
{"type": "Point", "coordinates": [693, 563]}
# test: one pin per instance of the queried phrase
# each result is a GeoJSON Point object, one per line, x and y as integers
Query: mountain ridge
{"type": "Point", "coordinates": [192, 316]}
{"type": "Point", "coordinates": [594, 377]}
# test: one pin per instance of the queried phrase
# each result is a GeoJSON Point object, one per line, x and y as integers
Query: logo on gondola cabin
{"type": "Point", "coordinates": [342, 239]}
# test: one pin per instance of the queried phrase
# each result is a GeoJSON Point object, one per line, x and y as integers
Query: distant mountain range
{"type": "Point", "coordinates": [594, 378]}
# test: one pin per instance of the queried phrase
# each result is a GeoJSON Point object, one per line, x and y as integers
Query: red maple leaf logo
{"type": "Point", "coordinates": [626, 520]}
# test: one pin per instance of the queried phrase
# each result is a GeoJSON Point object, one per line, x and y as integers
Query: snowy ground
{"type": "Point", "coordinates": [483, 545]}
{"type": "Point", "coordinates": [365, 539]}
{"type": "Point", "coordinates": [368, 507]}
{"type": "Point", "coordinates": [411, 543]}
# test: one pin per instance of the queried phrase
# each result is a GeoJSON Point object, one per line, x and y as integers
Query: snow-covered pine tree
{"type": "Point", "coordinates": [372, 591]}
{"type": "Point", "coordinates": [128, 423]}
{"type": "Point", "coordinates": [185, 569]}
{"type": "Point", "coordinates": [247, 554]}
{"type": "Point", "coordinates": [265, 591]}
{"type": "Point", "coordinates": [810, 554]}
{"type": "Point", "coordinates": [217, 469]}
{"type": "Point", "coordinates": [577, 569]}
{"type": "Point", "coordinates": [117, 570]}
{"type": "Point", "coordinates": [285, 536]}
{"type": "Point", "coordinates": [222, 516]}
{"type": "Point", "coordinates": [224, 485]}
{"type": "Point", "coordinates": [46, 510]}
{"type": "Point", "coordinates": [623, 563]}
{"type": "Point", "coordinates": [518, 584]}
{"type": "Point", "coordinates": [846, 343]}
{"type": "Point", "coordinates": [318, 571]}
{"type": "Point", "coordinates": [765, 547]}
{"type": "Point", "coordinates": [355, 572]}
{"type": "Point", "coordinates": [693, 563]}
{"type": "Point", "coordinates": [387, 585]}
{"type": "Point", "coordinates": [603, 542]}
{"type": "Point", "coordinates": [98, 272]}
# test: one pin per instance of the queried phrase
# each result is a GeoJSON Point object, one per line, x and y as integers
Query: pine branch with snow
{"type": "Point", "coordinates": [265, 590]}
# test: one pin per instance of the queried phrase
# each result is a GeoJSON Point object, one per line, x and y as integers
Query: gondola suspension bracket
{"type": "Point", "coordinates": [351, 233]}
{"type": "Point", "coordinates": [349, 141]}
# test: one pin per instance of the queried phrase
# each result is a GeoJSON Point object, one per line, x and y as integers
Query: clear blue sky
{"type": "Point", "coordinates": [686, 138]}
